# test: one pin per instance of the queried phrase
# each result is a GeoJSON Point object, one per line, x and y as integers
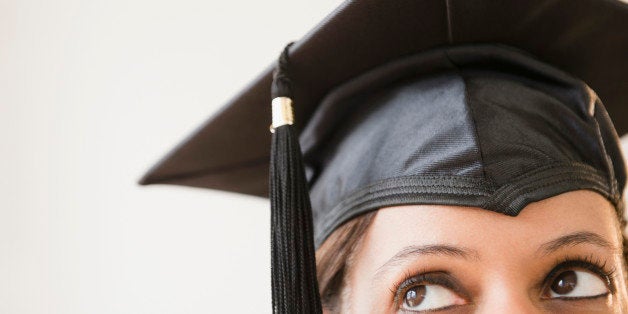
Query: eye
{"type": "Point", "coordinates": [577, 284]}
{"type": "Point", "coordinates": [429, 297]}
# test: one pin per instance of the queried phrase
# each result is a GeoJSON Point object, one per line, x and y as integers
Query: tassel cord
{"type": "Point", "coordinates": [293, 265]}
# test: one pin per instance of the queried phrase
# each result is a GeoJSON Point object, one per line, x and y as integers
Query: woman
{"type": "Point", "coordinates": [453, 160]}
{"type": "Point", "coordinates": [385, 265]}
{"type": "Point", "coordinates": [516, 145]}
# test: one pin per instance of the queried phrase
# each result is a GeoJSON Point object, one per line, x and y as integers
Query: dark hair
{"type": "Point", "coordinates": [336, 254]}
{"type": "Point", "coordinates": [334, 257]}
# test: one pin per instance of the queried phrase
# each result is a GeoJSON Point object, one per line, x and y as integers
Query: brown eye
{"type": "Point", "coordinates": [415, 295]}
{"type": "Point", "coordinates": [573, 284]}
{"type": "Point", "coordinates": [565, 282]}
{"type": "Point", "coordinates": [429, 297]}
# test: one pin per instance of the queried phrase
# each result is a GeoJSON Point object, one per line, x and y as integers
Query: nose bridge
{"type": "Point", "coordinates": [508, 294]}
{"type": "Point", "coordinates": [509, 303]}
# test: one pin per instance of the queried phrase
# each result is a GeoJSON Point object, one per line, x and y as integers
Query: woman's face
{"type": "Point", "coordinates": [560, 255]}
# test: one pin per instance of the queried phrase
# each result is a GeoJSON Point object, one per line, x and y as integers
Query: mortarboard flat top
{"type": "Point", "coordinates": [231, 151]}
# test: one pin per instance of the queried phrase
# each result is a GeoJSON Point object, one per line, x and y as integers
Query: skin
{"type": "Point", "coordinates": [502, 262]}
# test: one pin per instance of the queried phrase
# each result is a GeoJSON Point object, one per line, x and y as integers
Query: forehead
{"type": "Point", "coordinates": [397, 227]}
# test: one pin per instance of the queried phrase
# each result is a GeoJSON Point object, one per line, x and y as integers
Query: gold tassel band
{"type": "Point", "coordinates": [282, 112]}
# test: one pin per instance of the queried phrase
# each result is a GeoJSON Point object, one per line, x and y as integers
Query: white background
{"type": "Point", "coordinates": [92, 93]}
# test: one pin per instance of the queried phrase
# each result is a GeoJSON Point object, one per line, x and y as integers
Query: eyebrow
{"type": "Point", "coordinates": [573, 239]}
{"type": "Point", "coordinates": [432, 249]}
{"type": "Point", "coordinates": [568, 240]}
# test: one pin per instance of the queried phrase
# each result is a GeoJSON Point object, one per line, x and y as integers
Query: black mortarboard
{"type": "Point", "coordinates": [492, 104]}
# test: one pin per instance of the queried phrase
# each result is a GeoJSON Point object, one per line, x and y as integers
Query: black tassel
{"type": "Point", "coordinates": [294, 284]}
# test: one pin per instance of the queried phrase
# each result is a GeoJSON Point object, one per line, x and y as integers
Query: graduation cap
{"type": "Point", "coordinates": [492, 104]}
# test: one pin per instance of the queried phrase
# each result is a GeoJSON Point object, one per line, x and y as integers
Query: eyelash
{"type": "Point", "coordinates": [395, 288]}
{"type": "Point", "coordinates": [399, 288]}
{"type": "Point", "coordinates": [589, 262]}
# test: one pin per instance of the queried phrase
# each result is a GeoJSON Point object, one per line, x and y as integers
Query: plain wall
{"type": "Point", "coordinates": [92, 93]}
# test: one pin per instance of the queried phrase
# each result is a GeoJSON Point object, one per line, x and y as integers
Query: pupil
{"type": "Point", "coordinates": [565, 282]}
{"type": "Point", "coordinates": [415, 296]}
